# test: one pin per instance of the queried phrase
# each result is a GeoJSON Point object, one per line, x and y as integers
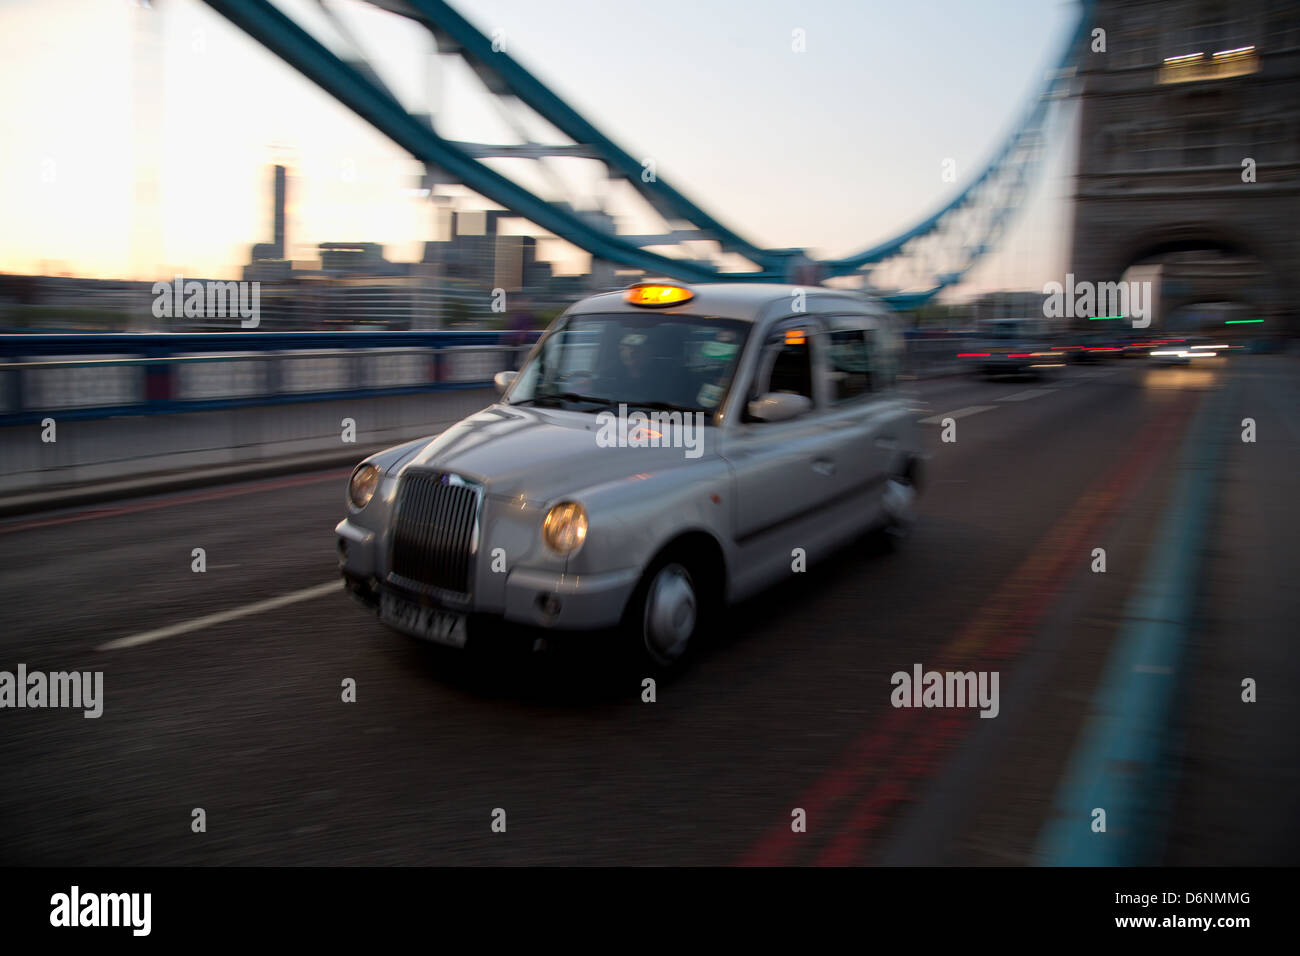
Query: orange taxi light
{"type": "Point", "coordinates": [652, 294]}
{"type": "Point", "coordinates": [796, 337]}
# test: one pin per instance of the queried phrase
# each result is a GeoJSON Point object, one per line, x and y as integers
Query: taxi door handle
{"type": "Point", "coordinates": [823, 466]}
{"type": "Point", "coordinates": [887, 442]}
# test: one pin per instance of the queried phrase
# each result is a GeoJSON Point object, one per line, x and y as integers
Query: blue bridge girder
{"type": "Point", "coordinates": [938, 246]}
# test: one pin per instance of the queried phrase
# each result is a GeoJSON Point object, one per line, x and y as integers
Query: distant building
{"type": "Point", "coordinates": [537, 274]}
{"type": "Point", "coordinates": [508, 264]}
{"type": "Point", "coordinates": [358, 258]}
{"type": "Point", "coordinates": [1007, 305]}
{"type": "Point", "coordinates": [356, 286]}
{"type": "Point", "coordinates": [1189, 141]}
{"type": "Point", "coordinates": [267, 262]}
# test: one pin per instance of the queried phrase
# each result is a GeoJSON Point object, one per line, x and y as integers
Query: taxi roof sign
{"type": "Point", "coordinates": [657, 294]}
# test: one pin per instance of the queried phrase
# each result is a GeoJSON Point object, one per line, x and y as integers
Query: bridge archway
{"type": "Point", "coordinates": [1206, 273]}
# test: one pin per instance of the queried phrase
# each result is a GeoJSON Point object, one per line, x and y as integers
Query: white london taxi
{"type": "Point", "coordinates": [663, 452]}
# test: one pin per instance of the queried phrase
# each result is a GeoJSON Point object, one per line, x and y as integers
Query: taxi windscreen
{"type": "Point", "coordinates": [656, 361]}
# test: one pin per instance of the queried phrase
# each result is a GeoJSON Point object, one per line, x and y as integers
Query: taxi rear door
{"type": "Point", "coordinates": [863, 414]}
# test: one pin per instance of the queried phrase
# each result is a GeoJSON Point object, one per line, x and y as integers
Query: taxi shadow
{"type": "Point", "coordinates": [521, 664]}
{"type": "Point", "coordinates": [794, 597]}
{"type": "Point", "coordinates": [532, 666]}
{"type": "Point", "coordinates": [1015, 377]}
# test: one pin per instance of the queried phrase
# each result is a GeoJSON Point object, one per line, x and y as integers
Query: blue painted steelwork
{"type": "Point", "coordinates": [351, 87]}
{"type": "Point", "coordinates": [503, 75]}
{"type": "Point", "coordinates": [440, 18]}
{"type": "Point", "coordinates": [1017, 158]}
{"type": "Point", "coordinates": [161, 354]}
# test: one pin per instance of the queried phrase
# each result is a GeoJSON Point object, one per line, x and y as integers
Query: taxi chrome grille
{"type": "Point", "coordinates": [433, 530]}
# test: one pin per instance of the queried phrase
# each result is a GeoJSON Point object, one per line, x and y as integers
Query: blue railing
{"type": "Point", "coordinates": [97, 375]}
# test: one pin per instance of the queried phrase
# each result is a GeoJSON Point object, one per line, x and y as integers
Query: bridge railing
{"type": "Point", "coordinates": [254, 400]}
{"type": "Point", "coordinates": [99, 375]}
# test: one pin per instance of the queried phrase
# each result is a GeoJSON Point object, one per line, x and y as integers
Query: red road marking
{"type": "Point", "coordinates": [180, 498]}
{"type": "Point", "coordinates": [900, 759]}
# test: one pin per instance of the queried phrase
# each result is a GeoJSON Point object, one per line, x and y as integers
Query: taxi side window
{"type": "Point", "coordinates": [886, 355]}
{"type": "Point", "coordinates": [850, 359]}
{"type": "Point", "coordinates": [792, 370]}
{"type": "Point", "coordinates": [786, 365]}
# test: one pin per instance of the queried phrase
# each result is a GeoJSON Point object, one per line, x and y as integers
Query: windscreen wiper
{"type": "Point", "coordinates": [664, 407]}
{"type": "Point", "coordinates": [556, 397]}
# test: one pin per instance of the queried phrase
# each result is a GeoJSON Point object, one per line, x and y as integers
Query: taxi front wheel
{"type": "Point", "coordinates": [665, 615]}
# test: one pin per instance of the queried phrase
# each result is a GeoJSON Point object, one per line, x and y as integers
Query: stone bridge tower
{"type": "Point", "coordinates": [1186, 92]}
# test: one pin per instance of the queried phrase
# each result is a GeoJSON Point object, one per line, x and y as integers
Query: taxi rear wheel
{"type": "Point", "coordinates": [898, 502]}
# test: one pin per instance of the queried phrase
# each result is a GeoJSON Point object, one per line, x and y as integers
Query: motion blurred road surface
{"type": "Point", "coordinates": [788, 707]}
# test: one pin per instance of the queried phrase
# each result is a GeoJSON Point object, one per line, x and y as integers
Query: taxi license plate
{"type": "Point", "coordinates": [430, 623]}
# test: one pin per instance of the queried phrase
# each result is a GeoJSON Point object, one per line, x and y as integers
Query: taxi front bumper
{"type": "Point", "coordinates": [568, 601]}
{"type": "Point", "coordinates": [529, 596]}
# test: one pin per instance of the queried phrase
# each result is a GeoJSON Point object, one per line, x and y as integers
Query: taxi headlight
{"type": "Point", "coordinates": [362, 485]}
{"type": "Point", "coordinates": [565, 527]}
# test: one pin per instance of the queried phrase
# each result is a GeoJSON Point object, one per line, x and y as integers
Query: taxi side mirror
{"type": "Point", "coordinates": [503, 380]}
{"type": "Point", "coordinates": [778, 407]}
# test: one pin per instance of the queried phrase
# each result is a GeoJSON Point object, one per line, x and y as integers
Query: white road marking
{"type": "Point", "coordinates": [1027, 393]}
{"type": "Point", "coordinates": [959, 413]}
{"type": "Point", "coordinates": [208, 620]}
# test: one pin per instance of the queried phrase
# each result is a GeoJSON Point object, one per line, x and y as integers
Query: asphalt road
{"type": "Point", "coordinates": [789, 707]}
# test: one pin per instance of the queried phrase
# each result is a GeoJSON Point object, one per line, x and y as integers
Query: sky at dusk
{"type": "Point", "coordinates": [137, 140]}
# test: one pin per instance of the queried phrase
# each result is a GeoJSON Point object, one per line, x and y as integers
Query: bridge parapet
{"type": "Point", "coordinates": [83, 376]}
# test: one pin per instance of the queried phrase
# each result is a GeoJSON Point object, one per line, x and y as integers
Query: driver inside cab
{"type": "Point", "coordinates": [632, 352]}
